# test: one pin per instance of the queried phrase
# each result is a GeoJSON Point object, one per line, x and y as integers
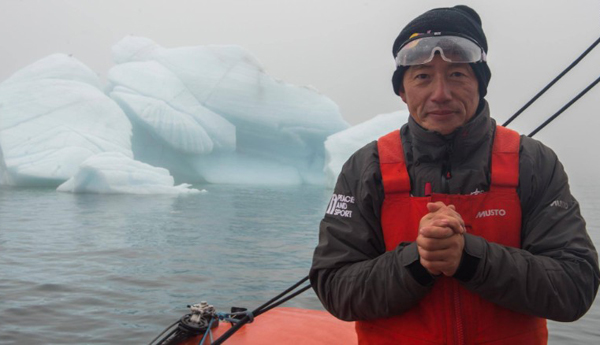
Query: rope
{"type": "Point", "coordinates": [285, 299]}
{"type": "Point", "coordinates": [208, 332]}
{"type": "Point", "coordinates": [282, 294]}
{"type": "Point", "coordinates": [163, 332]}
{"type": "Point", "coordinates": [565, 107]}
{"type": "Point", "coordinates": [231, 317]}
{"type": "Point", "coordinates": [573, 64]}
{"type": "Point", "coordinates": [167, 336]}
{"type": "Point", "coordinates": [249, 316]}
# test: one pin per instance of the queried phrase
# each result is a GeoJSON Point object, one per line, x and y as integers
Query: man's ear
{"type": "Point", "coordinates": [402, 94]}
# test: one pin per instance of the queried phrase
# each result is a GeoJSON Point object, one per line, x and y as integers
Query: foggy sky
{"type": "Point", "coordinates": [340, 47]}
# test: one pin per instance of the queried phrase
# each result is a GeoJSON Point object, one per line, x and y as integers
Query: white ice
{"type": "Point", "coordinates": [53, 116]}
{"type": "Point", "coordinates": [279, 128]}
{"type": "Point", "coordinates": [340, 146]}
{"type": "Point", "coordinates": [114, 172]}
{"type": "Point", "coordinates": [155, 98]}
{"type": "Point", "coordinates": [206, 113]}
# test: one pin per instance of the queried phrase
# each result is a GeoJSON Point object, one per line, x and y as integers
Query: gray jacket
{"type": "Point", "coordinates": [554, 275]}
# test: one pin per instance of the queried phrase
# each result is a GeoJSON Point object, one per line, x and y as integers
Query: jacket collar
{"type": "Point", "coordinates": [428, 146]}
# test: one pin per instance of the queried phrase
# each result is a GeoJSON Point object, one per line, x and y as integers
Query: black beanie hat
{"type": "Point", "coordinates": [458, 19]}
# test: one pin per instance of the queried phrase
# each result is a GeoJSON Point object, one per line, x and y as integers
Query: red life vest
{"type": "Point", "coordinates": [450, 314]}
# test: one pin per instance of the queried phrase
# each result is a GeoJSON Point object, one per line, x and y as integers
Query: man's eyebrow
{"type": "Point", "coordinates": [419, 67]}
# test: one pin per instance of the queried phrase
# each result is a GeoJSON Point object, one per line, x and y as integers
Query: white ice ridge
{"type": "Point", "coordinates": [210, 113]}
{"type": "Point", "coordinates": [340, 146]}
{"type": "Point", "coordinates": [156, 100]}
{"type": "Point", "coordinates": [114, 173]}
{"type": "Point", "coordinates": [53, 116]}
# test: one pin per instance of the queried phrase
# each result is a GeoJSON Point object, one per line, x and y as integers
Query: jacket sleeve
{"type": "Point", "coordinates": [352, 274]}
{"type": "Point", "coordinates": [555, 273]}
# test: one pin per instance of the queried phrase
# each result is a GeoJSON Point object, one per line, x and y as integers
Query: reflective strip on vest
{"type": "Point", "coordinates": [450, 314]}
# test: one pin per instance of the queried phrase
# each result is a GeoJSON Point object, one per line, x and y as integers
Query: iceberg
{"type": "Point", "coordinates": [207, 114]}
{"type": "Point", "coordinates": [261, 129]}
{"type": "Point", "coordinates": [340, 146]}
{"type": "Point", "coordinates": [114, 172]}
{"type": "Point", "coordinates": [53, 116]}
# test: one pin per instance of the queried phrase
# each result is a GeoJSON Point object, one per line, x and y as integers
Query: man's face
{"type": "Point", "coordinates": [441, 96]}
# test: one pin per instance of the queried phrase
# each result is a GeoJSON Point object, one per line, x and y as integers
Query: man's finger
{"type": "Point", "coordinates": [437, 231]}
{"type": "Point", "coordinates": [430, 267]}
{"type": "Point", "coordinates": [435, 206]}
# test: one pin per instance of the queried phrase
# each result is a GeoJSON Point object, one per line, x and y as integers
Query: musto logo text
{"type": "Point", "coordinates": [338, 206]}
{"type": "Point", "coordinates": [489, 213]}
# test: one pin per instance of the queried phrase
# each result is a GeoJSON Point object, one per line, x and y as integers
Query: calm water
{"type": "Point", "coordinates": [117, 269]}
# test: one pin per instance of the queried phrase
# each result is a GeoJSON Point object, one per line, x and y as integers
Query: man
{"type": "Point", "coordinates": [455, 231]}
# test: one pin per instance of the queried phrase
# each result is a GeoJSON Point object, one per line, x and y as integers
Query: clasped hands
{"type": "Point", "coordinates": [440, 241]}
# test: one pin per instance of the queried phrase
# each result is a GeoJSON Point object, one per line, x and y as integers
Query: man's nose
{"type": "Point", "coordinates": [441, 91]}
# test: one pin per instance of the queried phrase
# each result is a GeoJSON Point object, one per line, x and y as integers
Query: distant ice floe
{"type": "Point", "coordinates": [114, 173]}
{"type": "Point", "coordinates": [340, 146]}
{"type": "Point", "coordinates": [53, 116]}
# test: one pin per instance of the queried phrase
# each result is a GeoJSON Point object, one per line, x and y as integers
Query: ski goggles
{"type": "Point", "coordinates": [421, 49]}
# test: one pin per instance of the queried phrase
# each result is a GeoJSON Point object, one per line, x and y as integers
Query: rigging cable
{"type": "Point", "coordinates": [263, 308]}
{"type": "Point", "coordinates": [573, 64]}
{"type": "Point", "coordinates": [163, 332]}
{"type": "Point", "coordinates": [565, 107]}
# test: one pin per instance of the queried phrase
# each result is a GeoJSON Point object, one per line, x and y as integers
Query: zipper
{"type": "Point", "coordinates": [459, 330]}
{"type": "Point", "coordinates": [446, 175]}
{"type": "Point", "coordinates": [447, 169]}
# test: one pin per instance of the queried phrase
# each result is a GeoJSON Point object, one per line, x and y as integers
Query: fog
{"type": "Point", "coordinates": [340, 47]}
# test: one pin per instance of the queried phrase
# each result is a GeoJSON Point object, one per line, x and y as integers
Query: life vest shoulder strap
{"type": "Point", "coordinates": [391, 162]}
{"type": "Point", "coordinates": [505, 159]}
